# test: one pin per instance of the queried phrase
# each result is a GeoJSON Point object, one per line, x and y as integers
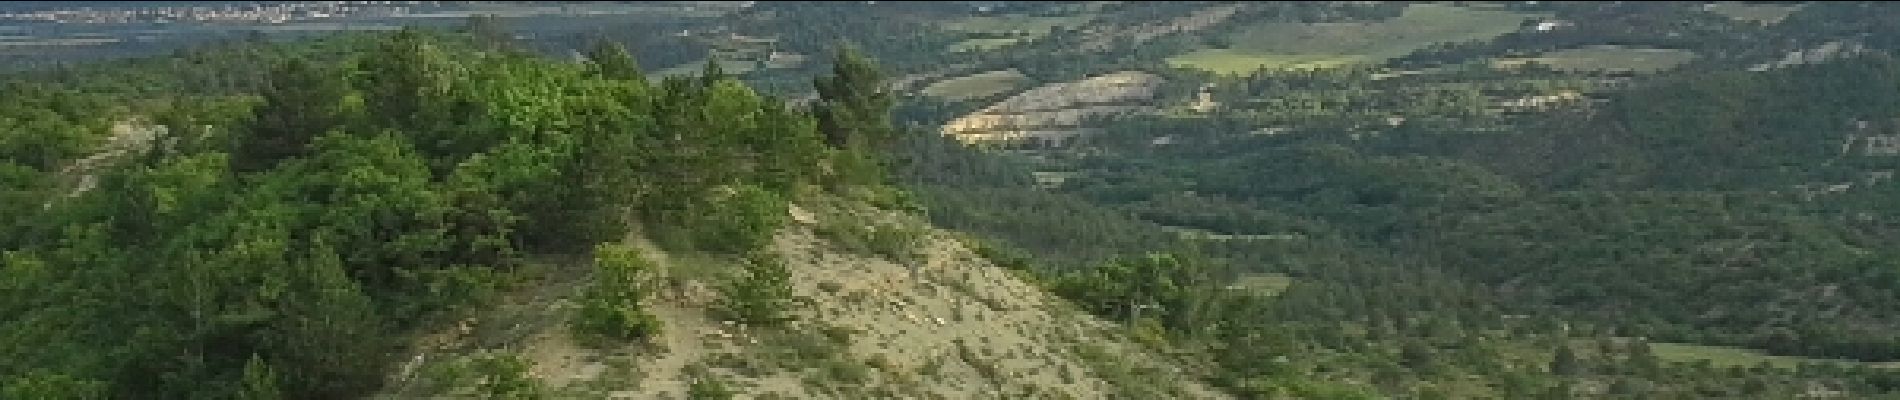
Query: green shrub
{"type": "Point", "coordinates": [896, 243]}
{"type": "Point", "coordinates": [506, 377]}
{"type": "Point", "coordinates": [42, 385]}
{"type": "Point", "coordinates": [844, 370]}
{"type": "Point", "coordinates": [603, 319]}
{"type": "Point", "coordinates": [889, 198]}
{"type": "Point", "coordinates": [840, 335]}
{"type": "Point", "coordinates": [830, 286]}
{"type": "Point", "coordinates": [864, 236]}
{"type": "Point", "coordinates": [849, 234]}
{"type": "Point", "coordinates": [709, 388]}
{"type": "Point", "coordinates": [259, 383]}
{"type": "Point", "coordinates": [741, 220]}
{"type": "Point", "coordinates": [612, 308]}
{"type": "Point", "coordinates": [762, 295]}
{"type": "Point", "coordinates": [800, 349]}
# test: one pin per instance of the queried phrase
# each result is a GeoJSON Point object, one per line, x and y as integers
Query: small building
{"type": "Point", "coordinates": [743, 39]}
{"type": "Point", "coordinates": [1271, 130]}
{"type": "Point", "coordinates": [1204, 102]}
{"type": "Point", "coordinates": [1876, 177]}
{"type": "Point", "coordinates": [1551, 25]}
{"type": "Point", "coordinates": [1882, 145]}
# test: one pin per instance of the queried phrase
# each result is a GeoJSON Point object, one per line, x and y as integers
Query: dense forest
{"type": "Point", "coordinates": [278, 242]}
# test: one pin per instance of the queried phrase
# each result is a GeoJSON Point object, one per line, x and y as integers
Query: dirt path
{"type": "Point", "coordinates": [127, 137]}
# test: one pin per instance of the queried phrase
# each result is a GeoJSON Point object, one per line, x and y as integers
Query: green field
{"type": "Point", "coordinates": [1728, 356]}
{"type": "Point", "coordinates": [1226, 61]}
{"type": "Point", "coordinates": [1763, 13]}
{"type": "Point", "coordinates": [981, 44]}
{"type": "Point", "coordinates": [1196, 233]}
{"type": "Point", "coordinates": [1007, 24]}
{"type": "Point", "coordinates": [693, 68]}
{"type": "Point", "coordinates": [790, 61]}
{"type": "Point", "coordinates": [1604, 58]}
{"type": "Point", "coordinates": [1297, 45]}
{"type": "Point", "coordinates": [1022, 26]}
{"type": "Point", "coordinates": [1268, 283]}
{"type": "Point", "coordinates": [977, 86]}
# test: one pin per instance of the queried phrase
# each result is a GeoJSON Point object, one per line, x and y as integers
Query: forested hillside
{"type": "Point", "coordinates": [1462, 252]}
{"type": "Point", "coordinates": [281, 242]}
{"type": "Point", "coordinates": [1515, 200]}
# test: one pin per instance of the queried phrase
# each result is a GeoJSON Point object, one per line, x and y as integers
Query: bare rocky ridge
{"type": "Point", "coordinates": [949, 325]}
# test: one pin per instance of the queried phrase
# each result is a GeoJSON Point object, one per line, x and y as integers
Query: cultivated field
{"type": "Point", "coordinates": [977, 86]}
{"type": "Point", "coordinates": [982, 44]}
{"type": "Point", "coordinates": [1606, 58]}
{"type": "Point", "coordinates": [1240, 62]}
{"type": "Point", "coordinates": [1017, 27]}
{"type": "Point", "coordinates": [1268, 284]}
{"type": "Point", "coordinates": [1720, 356]}
{"type": "Point", "coordinates": [1763, 13]}
{"type": "Point", "coordinates": [1033, 26]}
{"type": "Point", "coordinates": [1297, 45]}
{"type": "Point", "coordinates": [693, 68]}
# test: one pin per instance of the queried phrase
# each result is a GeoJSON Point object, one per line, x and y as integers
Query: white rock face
{"type": "Point", "coordinates": [1822, 53]}
{"type": "Point", "coordinates": [1054, 111]}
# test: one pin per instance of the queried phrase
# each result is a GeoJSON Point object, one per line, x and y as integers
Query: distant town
{"type": "Point", "coordinates": [118, 12]}
{"type": "Point", "coordinates": [43, 33]}
{"type": "Point", "coordinates": [271, 13]}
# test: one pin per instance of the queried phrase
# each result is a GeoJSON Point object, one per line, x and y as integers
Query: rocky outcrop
{"type": "Point", "coordinates": [943, 323]}
{"type": "Point", "coordinates": [1822, 53]}
{"type": "Point", "coordinates": [127, 138]}
{"type": "Point", "coordinates": [1055, 112]}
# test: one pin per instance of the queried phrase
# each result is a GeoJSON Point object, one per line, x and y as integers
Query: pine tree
{"type": "Point", "coordinates": [330, 332]}
{"type": "Point", "coordinates": [490, 32]}
{"type": "Point", "coordinates": [301, 102]}
{"type": "Point", "coordinates": [711, 73]}
{"type": "Point", "coordinates": [260, 383]}
{"type": "Point", "coordinates": [1418, 358]}
{"type": "Point", "coordinates": [406, 81]}
{"type": "Point", "coordinates": [608, 173]}
{"type": "Point", "coordinates": [1566, 362]}
{"type": "Point", "coordinates": [853, 108]}
{"type": "Point", "coordinates": [611, 61]}
{"type": "Point", "coordinates": [853, 112]}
